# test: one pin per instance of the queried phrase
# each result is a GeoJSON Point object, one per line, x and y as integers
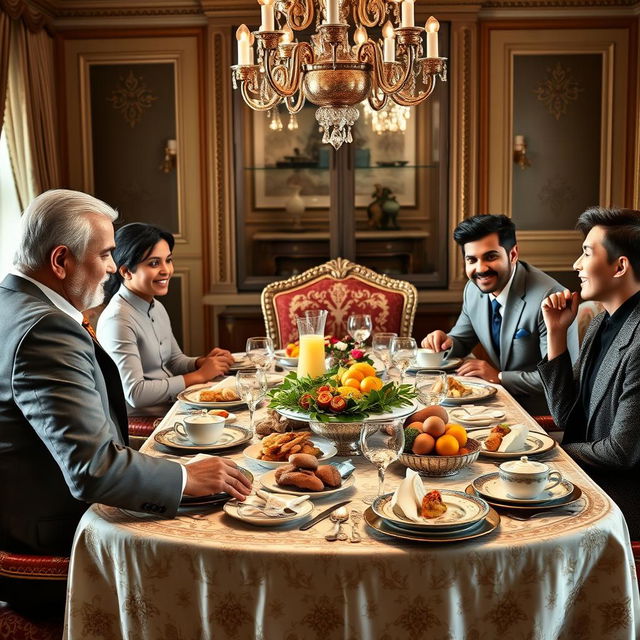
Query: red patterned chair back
{"type": "Point", "coordinates": [342, 288]}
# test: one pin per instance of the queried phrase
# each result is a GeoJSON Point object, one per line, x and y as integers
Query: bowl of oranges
{"type": "Point", "coordinates": [436, 447]}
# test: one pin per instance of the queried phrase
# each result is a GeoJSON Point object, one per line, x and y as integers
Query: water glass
{"type": "Point", "coordinates": [431, 386]}
{"type": "Point", "coordinates": [381, 442]}
{"type": "Point", "coordinates": [261, 353]}
{"type": "Point", "coordinates": [403, 353]}
{"type": "Point", "coordinates": [359, 327]}
{"type": "Point", "coordinates": [252, 388]}
{"type": "Point", "coordinates": [380, 344]}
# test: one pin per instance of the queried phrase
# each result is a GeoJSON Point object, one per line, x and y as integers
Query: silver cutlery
{"type": "Point", "coordinates": [339, 516]}
{"type": "Point", "coordinates": [356, 519]}
{"type": "Point", "coordinates": [324, 514]}
{"type": "Point", "coordinates": [555, 512]}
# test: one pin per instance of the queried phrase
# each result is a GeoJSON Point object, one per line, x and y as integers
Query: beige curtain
{"type": "Point", "coordinates": [32, 133]}
{"type": "Point", "coordinates": [5, 23]}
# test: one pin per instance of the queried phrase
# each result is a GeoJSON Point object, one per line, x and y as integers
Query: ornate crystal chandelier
{"type": "Point", "coordinates": [329, 71]}
{"type": "Point", "coordinates": [392, 118]}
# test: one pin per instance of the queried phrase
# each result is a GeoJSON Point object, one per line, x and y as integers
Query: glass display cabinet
{"type": "Point", "coordinates": [380, 201]}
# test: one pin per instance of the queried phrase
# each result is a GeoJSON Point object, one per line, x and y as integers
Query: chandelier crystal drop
{"type": "Point", "coordinates": [331, 72]}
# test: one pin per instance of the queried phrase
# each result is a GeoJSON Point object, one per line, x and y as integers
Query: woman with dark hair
{"type": "Point", "coordinates": [135, 328]}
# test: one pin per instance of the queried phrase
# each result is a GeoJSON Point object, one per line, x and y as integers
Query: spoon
{"type": "Point", "coordinates": [356, 519]}
{"type": "Point", "coordinates": [338, 516]}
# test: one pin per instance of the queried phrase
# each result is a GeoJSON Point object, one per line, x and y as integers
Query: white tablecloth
{"type": "Point", "coordinates": [206, 575]}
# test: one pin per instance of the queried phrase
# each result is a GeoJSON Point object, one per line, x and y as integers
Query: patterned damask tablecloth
{"type": "Point", "coordinates": [571, 577]}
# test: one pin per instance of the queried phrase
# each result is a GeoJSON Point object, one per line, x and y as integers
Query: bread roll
{"type": "Point", "coordinates": [304, 461]}
{"type": "Point", "coordinates": [329, 475]}
{"type": "Point", "coordinates": [301, 480]}
{"type": "Point", "coordinates": [285, 468]}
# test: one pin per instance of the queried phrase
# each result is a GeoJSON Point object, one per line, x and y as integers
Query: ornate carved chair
{"type": "Point", "coordinates": [28, 571]}
{"type": "Point", "coordinates": [342, 288]}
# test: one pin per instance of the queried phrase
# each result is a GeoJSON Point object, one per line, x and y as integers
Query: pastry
{"type": "Point", "coordinates": [305, 480]}
{"type": "Point", "coordinates": [329, 475]}
{"type": "Point", "coordinates": [285, 468]}
{"type": "Point", "coordinates": [432, 505]}
{"type": "Point", "coordinates": [304, 461]}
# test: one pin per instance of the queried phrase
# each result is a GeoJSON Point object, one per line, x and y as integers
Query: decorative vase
{"type": "Point", "coordinates": [295, 206]}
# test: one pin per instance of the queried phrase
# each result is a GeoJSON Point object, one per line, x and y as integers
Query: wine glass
{"type": "Point", "coordinates": [359, 327]}
{"type": "Point", "coordinates": [380, 344]}
{"type": "Point", "coordinates": [260, 352]}
{"type": "Point", "coordinates": [431, 386]}
{"type": "Point", "coordinates": [403, 352]}
{"type": "Point", "coordinates": [381, 442]}
{"type": "Point", "coordinates": [252, 388]}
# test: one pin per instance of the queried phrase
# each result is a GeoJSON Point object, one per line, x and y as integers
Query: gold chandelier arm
{"type": "Point", "coordinates": [370, 52]}
{"type": "Point", "coordinates": [294, 107]}
{"type": "Point", "coordinates": [299, 14]}
{"type": "Point", "coordinates": [369, 13]}
{"type": "Point", "coordinates": [376, 102]}
{"type": "Point", "coordinates": [291, 74]}
{"type": "Point", "coordinates": [412, 101]}
{"type": "Point", "coordinates": [256, 104]}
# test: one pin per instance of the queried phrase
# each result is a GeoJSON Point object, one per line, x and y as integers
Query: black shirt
{"type": "Point", "coordinates": [607, 333]}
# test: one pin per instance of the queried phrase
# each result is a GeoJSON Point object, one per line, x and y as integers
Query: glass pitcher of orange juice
{"type": "Point", "coordinates": [311, 359]}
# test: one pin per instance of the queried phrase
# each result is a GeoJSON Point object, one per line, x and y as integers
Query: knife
{"type": "Point", "coordinates": [325, 514]}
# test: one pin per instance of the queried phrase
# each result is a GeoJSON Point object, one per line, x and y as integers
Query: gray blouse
{"type": "Point", "coordinates": [138, 336]}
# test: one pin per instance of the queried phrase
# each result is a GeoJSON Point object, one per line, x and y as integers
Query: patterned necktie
{"type": "Point", "coordinates": [87, 325]}
{"type": "Point", "coordinates": [496, 324]}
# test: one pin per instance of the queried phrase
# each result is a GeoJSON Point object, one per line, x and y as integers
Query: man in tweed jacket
{"type": "Point", "coordinates": [598, 402]}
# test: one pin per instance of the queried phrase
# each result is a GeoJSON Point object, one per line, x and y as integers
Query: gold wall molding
{"type": "Point", "coordinates": [550, 250]}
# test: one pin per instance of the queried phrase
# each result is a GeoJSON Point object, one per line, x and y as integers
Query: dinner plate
{"type": "Point", "coordinates": [490, 416]}
{"type": "Point", "coordinates": [232, 508]}
{"type": "Point", "coordinates": [462, 510]}
{"type": "Point", "coordinates": [240, 361]}
{"type": "Point", "coordinates": [575, 495]}
{"type": "Point", "coordinates": [252, 451]}
{"type": "Point", "coordinates": [213, 499]}
{"type": "Point", "coordinates": [534, 444]}
{"type": "Point", "coordinates": [232, 436]}
{"type": "Point", "coordinates": [377, 523]}
{"type": "Point", "coordinates": [434, 533]}
{"type": "Point", "coordinates": [479, 392]}
{"type": "Point", "coordinates": [191, 397]}
{"type": "Point", "coordinates": [268, 481]}
{"type": "Point", "coordinates": [398, 412]}
{"type": "Point", "coordinates": [448, 365]}
{"type": "Point", "coordinates": [489, 486]}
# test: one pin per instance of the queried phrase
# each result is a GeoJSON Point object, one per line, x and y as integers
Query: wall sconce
{"type": "Point", "coordinates": [170, 156]}
{"type": "Point", "coordinates": [520, 153]}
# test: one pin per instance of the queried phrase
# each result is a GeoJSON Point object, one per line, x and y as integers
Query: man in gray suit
{"type": "Point", "coordinates": [598, 401]}
{"type": "Point", "coordinates": [63, 418]}
{"type": "Point", "coordinates": [501, 311]}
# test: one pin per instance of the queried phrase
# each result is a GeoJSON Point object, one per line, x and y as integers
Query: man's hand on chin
{"type": "Point", "coordinates": [479, 369]}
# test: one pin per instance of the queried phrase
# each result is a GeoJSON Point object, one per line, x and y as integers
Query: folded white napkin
{"type": "Point", "coordinates": [226, 383]}
{"type": "Point", "coordinates": [407, 499]}
{"type": "Point", "coordinates": [475, 412]}
{"type": "Point", "coordinates": [515, 439]}
{"type": "Point", "coordinates": [268, 504]}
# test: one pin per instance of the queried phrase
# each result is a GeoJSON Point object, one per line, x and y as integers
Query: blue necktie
{"type": "Point", "coordinates": [496, 324]}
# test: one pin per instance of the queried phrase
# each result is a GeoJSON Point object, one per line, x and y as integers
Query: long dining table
{"type": "Point", "coordinates": [205, 575]}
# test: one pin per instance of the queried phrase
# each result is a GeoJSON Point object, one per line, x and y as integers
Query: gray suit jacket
{"type": "Point", "coordinates": [523, 338]}
{"type": "Point", "coordinates": [63, 429]}
{"type": "Point", "coordinates": [605, 442]}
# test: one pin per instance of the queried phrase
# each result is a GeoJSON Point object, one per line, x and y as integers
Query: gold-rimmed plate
{"type": "Point", "coordinates": [575, 495]}
{"type": "Point", "coordinates": [268, 481]}
{"type": "Point", "coordinates": [232, 436]}
{"type": "Point", "coordinates": [450, 364]}
{"type": "Point", "coordinates": [479, 392]}
{"type": "Point", "coordinates": [535, 443]}
{"type": "Point", "coordinates": [490, 487]}
{"type": "Point", "coordinates": [191, 397]}
{"type": "Point", "coordinates": [489, 524]}
{"type": "Point", "coordinates": [253, 451]}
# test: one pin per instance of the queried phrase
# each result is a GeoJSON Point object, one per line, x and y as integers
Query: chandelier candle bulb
{"type": "Point", "coordinates": [244, 45]}
{"type": "Point", "coordinates": [432, 26]}
{"type": "Point", "coordinates": [407, 14]}
{"type": "Point", "coordinates": [267, 15]}
{"type": "Point", "coordinates": [287, 36]}
{"type": "Point", "coordinates": [389, 42]}
{"type": "Point", "coordinates": [360, 36]}
{"type": "Point", "coordinates": [333, 12]}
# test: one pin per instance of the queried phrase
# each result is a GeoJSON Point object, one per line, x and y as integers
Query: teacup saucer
{"type": "Point", "coordinates": [490, 486]}
{"type": "Point", "coordinates": [232, 436]}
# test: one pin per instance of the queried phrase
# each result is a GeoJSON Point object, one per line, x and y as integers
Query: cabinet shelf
{"type": "Point", "coordinates": [367, 168]}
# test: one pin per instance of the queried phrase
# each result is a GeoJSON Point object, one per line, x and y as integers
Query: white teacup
{"type": "Point", "coordinates": [201, 429]}
{"type": "Point", "coordinates": [431, 359]}
{"type": "Point", "coordinates": [526, 479]}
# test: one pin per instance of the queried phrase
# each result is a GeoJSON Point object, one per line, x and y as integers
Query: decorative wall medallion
{"type": "Point", "coordinates": [558, 89]}
{"type": "Point", "coordinates": [132, 98]}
